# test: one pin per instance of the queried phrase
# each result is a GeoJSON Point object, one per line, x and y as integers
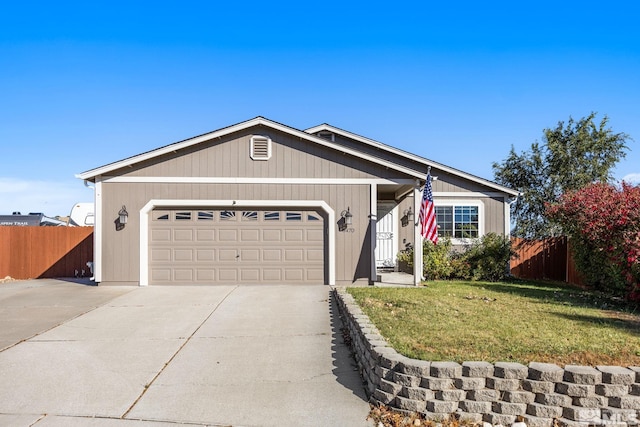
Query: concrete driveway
{"type": "Point", "coordinates": [78, 355]}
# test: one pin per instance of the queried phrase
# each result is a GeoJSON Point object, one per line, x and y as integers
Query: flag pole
{"type": "Point", "coordinates": [417, 237]}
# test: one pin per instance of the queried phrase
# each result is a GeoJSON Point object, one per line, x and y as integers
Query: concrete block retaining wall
{"type": "Point", "coordinates": [541, 394]}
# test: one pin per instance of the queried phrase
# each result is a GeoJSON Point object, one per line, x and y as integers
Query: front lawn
{"type": "Point", "coordinates": [519, 322]}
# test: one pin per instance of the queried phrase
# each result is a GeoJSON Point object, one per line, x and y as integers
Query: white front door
{"type": "Point", "coordinates": [386, 235]}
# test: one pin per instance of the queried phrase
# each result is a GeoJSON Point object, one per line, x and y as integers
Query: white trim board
{"type": "Point", "coordinates": [475, 194]}
{"type": "Point", "coordinates": [256, 180]}
{"type": "Point", "coordinates": [97, 232]}
{"type": "Point", "coordinates": [159, 203]}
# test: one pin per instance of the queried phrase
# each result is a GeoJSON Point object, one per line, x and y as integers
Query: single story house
{"type": "Point", "coordinates": [263, 202]}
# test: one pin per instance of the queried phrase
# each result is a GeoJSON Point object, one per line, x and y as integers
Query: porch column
{"type": "Point", "coordinates": [97, 230]}
{"type": "Point", "coordinates": [417, 237]}
{"type": "Point", "coordinates": [373, 219]}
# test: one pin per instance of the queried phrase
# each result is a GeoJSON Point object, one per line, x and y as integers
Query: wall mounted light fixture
{"type": "Point", "coordinates": [407, 216]}
{"type": "Point", "coordinates": [123, 215]}
{"type": "Point", "coordinates": [346, 219]}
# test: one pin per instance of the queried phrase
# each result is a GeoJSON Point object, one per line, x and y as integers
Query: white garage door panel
{"type": "Point", "coordinates": [190, 246]}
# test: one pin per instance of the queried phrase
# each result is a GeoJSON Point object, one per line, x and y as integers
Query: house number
{"type": "Point", "coordinates": [350, 230]}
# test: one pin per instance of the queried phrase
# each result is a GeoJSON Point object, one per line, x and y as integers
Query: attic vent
{"type": "Point", "coordinates": [260, 147]}
{"type": "Point", "coordinates": [329, 136]}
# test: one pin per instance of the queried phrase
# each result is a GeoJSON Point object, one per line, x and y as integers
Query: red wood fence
{"type": "Point", "coordinates": [544, 259]}
{"type": "Point", "coordinates": [45, 252]}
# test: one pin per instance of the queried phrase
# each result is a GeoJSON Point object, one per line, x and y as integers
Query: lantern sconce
{"type": "Point", "coordinates": [346, 219]}
{"type": "Point", "coordinates": [123, 215]}
{"type": "Point", "coordinates": [407, 216]}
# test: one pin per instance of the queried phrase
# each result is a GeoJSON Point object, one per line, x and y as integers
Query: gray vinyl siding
{"type": "Point", "coordinates": [374, 151]}
{"type": "Point", "coordinates": [494, 215]}
{"type": "Point", "coordinates": [121, 257]}
{"type": "Point", "coordinates": [405, 234]}
{"type": "Point", "coordinates": [230, 157]}
{"type": "Point", "coordinates": [447, 182]}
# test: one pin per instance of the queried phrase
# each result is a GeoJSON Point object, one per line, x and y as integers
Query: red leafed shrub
{"type": "Point", "coordinates": [603, 222]}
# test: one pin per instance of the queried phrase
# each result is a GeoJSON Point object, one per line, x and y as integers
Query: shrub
{"type": "Point", "coordinates": [437, 259]}
{"type": "Point", "coordinates": [603, 222]}
{"type": "Point", "coordinates": [485, 259]}
{"type": "Point", "coordinates": [489, 257]}
{"type": "Point", "coordinates": [460, 267]}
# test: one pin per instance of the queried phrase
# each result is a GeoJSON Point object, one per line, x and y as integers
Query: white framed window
{"type": "Point", "coordinates": [260, 147]}
{"type": "Point", "coordinates": [460, 220]}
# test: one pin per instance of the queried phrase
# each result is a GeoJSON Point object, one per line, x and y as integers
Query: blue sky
{"type": "Point", "coordinates": [83, 84]}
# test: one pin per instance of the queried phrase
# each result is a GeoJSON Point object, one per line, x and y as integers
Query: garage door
{"type": "Point", "coordinates": [191, 246]}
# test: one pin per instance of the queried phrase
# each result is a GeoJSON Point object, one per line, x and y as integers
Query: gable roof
{"type": "Point", "coordinates": [307, 135]}
{"type": "Point", "coordinates": [426, 162]}
{"type": "Point", "coordinates": [257, 121]}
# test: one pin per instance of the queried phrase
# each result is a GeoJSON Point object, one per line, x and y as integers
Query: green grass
{"type": "Point", "coordinates": [519, 322]}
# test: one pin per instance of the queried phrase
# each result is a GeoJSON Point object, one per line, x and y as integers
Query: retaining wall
{"type": "Point", "coordinates": [541, 394]}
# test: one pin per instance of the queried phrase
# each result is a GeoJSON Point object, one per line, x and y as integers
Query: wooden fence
{"type": "Point", "coordinates": [544, 259]}
{"type": "Point", "coordinates": [45, 252]}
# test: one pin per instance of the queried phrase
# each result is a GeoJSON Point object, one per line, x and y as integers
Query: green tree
{"type": "Point", "coordinates": [571, 156]}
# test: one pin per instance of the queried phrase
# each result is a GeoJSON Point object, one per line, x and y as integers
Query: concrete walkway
{"type": "Point", "coordinates": [78, 355]}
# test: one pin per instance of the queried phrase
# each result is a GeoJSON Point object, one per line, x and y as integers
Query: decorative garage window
{"type": "Point", "coordinates": [205, 215]}
{"type": "Point", "coordinates": [272, 216]}
{"type": "Point", "coordinates": [160, 216]}
{"type": "Point", "coordinates": [294, 216]}
{"type": "Point", "coordinates": [185, 216]}
{"type": "Point", "coordinates": [260, 147]}
{"type": "Point", "coordinates": [312, 218]}
{"type": "Point", "coordinates": [228, 215]}
{"type": "Point", "coordinates": [249, 216]}
{"type": "Point", "coordinates": [458, 221]}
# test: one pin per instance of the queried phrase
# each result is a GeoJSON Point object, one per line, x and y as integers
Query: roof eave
{"type": "Point", "coordinates": [414, 157]}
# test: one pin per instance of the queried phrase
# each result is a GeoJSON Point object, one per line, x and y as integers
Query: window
{"type": "Point", "coordinates": [249, 216]}
{"type": "Point", "coordinates": [458, 222]}
{"type": "Point", "coordinates": [228, 215]}
{"type": "Point", "coordinates": [205, 216]}
{"type": "Point", "coordinates": [312, 218]}
{"type": "Point", "coordinates": [272, 216]}
{"type": "Point", "coordinates": [294, 216]}
{"type": "Point", "coordinates": [260, 147]}
{"type": "Point", "coordinates": [183, 215]}
{"type": "Point", "coordinates": [160, 216]}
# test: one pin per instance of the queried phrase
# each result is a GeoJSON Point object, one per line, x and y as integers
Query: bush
{"type": "Point", "coordinates": [485, 259]}
{"type": "Point", "coordinates": [460, 267]}
{"type": "Point", "coordinates": [489, 257]}
{"type": "Point", "coordinates": [603, 222]}
{"type": "Point", "coordinates": [437, 260]}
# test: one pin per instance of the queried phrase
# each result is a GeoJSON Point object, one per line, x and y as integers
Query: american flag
{"type": "Point", "coordinates": [427, 216]}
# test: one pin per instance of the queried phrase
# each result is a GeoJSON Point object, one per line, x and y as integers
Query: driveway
{"type": "Point", "coordinates": [78, 355]}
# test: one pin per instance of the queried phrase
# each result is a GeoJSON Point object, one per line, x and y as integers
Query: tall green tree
{"type": "Point", "coordinates": [571, 156]}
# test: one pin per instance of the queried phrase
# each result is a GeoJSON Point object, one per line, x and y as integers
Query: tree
{"type": "Point", "coordinates": [603, 222]}
{"type": "Point", "coordinates": [571, 156]}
